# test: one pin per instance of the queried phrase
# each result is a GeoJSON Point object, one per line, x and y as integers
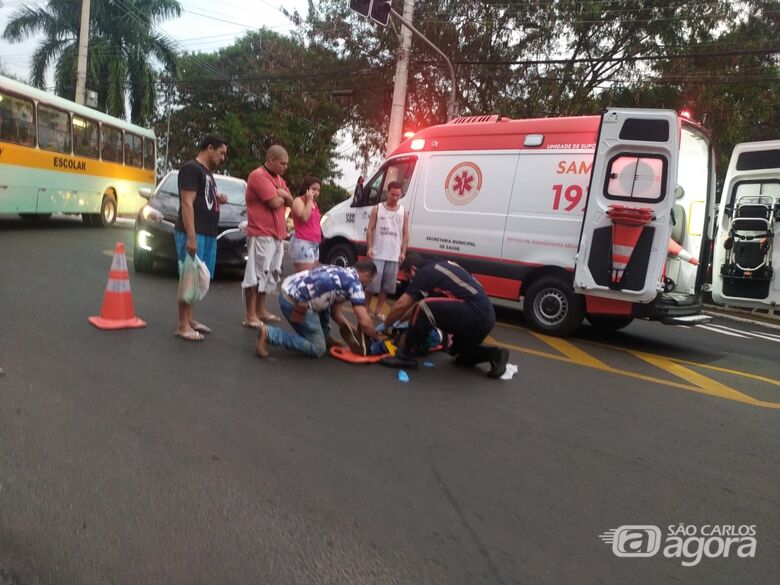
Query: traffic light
{"type": "Point", "coordinates": [362, 7]}
{"type": "Point", "coordinates": [380, 11]}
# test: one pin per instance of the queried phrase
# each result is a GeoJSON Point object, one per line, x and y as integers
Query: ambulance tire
{"type": "Point", "coordinates": [342, 255]}
{"type": "Point", "coordinates": [609, 323]}
{"type": "Point", "coordinates": [551, 307]}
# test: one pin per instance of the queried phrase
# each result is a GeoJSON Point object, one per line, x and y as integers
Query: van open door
{"type": "Point", "coordinates": [627, 225]}
{"type": "Point", "coordinates": [746, 253]}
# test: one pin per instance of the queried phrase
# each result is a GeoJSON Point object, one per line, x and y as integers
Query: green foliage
{"type": "Point", "coordinates": [573, 57]}
{"type": "Point", "coordinates": [275, 96]}
{"type": "Point", "coordinates": [123, 44]}
{"type": "Point", "coordinates": [331, 195]}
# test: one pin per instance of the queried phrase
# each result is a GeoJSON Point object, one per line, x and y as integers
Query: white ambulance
{"type": "Point", "coordinates": [509, 201]}
{"type": "Point", "coordinates": [746, 248]}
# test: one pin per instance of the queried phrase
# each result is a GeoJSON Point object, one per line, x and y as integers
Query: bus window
{"type": "Point", "coordinates": [85, 137]}
{"type": "Point", "coordinates": [134, 150]}
{"type": "Point", "coordinates": [111, 144]}
{"type": "Point", "coordinates": [150, 162]}
{"type": "Point", "coordinates": [53, 129]}
{"type": "Point", "coordinates": [17, 120]}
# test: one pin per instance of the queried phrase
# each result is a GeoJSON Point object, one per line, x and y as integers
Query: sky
{"type": "Point", "coordinates": [205, 26]}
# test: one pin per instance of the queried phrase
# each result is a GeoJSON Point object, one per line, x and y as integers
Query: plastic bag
{"type": "Point", "coordinates": [203, 280]}
{"type": "Point", "coordinates": [189, 279]}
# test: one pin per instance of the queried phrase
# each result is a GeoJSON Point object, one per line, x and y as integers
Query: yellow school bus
{"type": "Point", "coordinates": [60, 157]}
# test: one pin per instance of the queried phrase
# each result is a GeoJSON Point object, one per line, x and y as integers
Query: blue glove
{"type": "Point", "coordinates": [380, 328]}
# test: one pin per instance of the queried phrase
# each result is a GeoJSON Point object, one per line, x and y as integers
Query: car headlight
{"type": "Point", "coordinates": [149, 213]}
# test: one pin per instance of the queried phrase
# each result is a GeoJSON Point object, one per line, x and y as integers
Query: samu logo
{"type": "Point", "coordinates": [634, 540]}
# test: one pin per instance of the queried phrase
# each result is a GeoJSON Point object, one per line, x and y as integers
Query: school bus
{"type": "Point", "coordinates": [57, 156]}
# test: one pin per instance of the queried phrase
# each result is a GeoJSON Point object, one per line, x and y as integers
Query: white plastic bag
{"type": "Point", "coordinates": [189, 279]}
{"type": "Point", "coordinates": [204, 278]}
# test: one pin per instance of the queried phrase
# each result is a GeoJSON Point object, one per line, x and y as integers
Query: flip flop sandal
{"type": "Point", "coordinates": [189, 336]}
{"type": "Point", "coordinates": [270, 319]}
{"type": "Point", "coordinates": [201, 328]}
{"type": "Point", "coordinates": [252, 325]}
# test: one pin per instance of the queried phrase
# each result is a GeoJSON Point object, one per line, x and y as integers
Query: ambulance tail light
{"type": "Point", "coordinates": [418, 144]}
{"type": "Point", "coordinates": [686, 113]}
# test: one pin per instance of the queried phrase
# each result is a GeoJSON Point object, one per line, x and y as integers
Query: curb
{"type": "Point", "coordinates": [744, 316]}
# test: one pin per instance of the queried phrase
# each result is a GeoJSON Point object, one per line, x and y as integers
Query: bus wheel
{"type": "Point", "coordinates": [609, 323]}
{"type": "Point", "coordinates": [551, 307]}
{"type": "Point", "coordinates": [341, 255]}
{"type": "Point", "coordinates": [107, 215]}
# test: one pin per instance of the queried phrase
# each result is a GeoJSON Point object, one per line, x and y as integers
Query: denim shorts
{"type": "Point", "coordinates": [207, 249]}
{"type": "Point", "coordinates": [304, 250]}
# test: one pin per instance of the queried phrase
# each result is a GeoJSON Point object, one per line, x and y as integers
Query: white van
{"type": "Point", "coordinates": [508, 200]}
{"type": "Point", "coordinates": [746, 248]}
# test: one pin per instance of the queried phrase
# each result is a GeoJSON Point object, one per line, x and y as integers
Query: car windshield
{"type": "Point", "coordinates": [235, 190]}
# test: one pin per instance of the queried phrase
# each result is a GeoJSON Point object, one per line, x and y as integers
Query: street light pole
{"type": "Point", "coordinates": [81, 67]}
{"type": "Point", "coordinates": [399, 88]}
{"type": "Point", "coordinates": [452, 104]}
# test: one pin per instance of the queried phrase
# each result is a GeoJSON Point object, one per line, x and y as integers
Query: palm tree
{"type": "Point", "coordinates": [123, 46]}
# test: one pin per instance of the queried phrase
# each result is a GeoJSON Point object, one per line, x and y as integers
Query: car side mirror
{"type": "Point", "coordinates": [146, 193]}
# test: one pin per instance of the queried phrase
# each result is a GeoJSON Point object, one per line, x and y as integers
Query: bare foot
{"type": "Point", "coordinates": [200, 327]}
{"type": "Point", "coordinates": [252, 324]}
{"type": "Point", "coordinates": [269, 318]}
{"type": "Point", "coordinates": [189, 335]}
{"type": "Point", "coordinates": [262, 337]}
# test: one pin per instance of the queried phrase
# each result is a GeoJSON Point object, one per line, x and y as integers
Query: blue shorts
{"type": "Point", "coordinates": [207, 249]}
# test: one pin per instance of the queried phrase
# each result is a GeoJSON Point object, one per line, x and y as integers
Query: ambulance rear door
{"type": "Point", "coordinates": [625, 233]}
{"type": "Point", "coordinates": [746, 253]}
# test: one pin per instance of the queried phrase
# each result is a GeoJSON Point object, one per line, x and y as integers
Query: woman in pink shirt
{"type": "Point", "coordinates": [305, 243]}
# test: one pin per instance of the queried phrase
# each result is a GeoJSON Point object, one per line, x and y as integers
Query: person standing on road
{"type": "Point", "coordinates": [266, 197]}
{"type": "Point", "coordinates": [305, 243]}
{"type": "Point", "coordinates": [310, 298]}
{"type": "Point", "coordinates": [387, 238]}
{"type": "Point", "coordinates": [196, 225]}
{"type": "Point", "coordinates": [444, 295]}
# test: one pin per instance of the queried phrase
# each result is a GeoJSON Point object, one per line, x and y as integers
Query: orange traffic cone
{"type": "Point", "coordinates": [678, 251]}
{"type": "Point", "coordinates": [117, 311]}
{"type": "Point", "coordinates": [627, 226]}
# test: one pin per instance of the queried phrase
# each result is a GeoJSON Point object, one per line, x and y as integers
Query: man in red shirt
{"type": "Point", "coordinates": [266, 197]}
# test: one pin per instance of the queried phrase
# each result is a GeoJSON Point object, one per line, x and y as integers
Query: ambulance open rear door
{"type": "Point", "coordinates": [625, 233]}
{"type": "Point", "coordinates": [746, 254]}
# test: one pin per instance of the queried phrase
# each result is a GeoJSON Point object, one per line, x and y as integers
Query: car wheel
{"type": "Point", "coordinates": [342, 255]}
{"type": "Point", "coordinates": [142, 260]}
{"type": "Point", "coordinates": [609, 323]}
{"type": "Point", "coordinates": [551, 307]}
{"type": "Point", "coordinates": [107, 215]}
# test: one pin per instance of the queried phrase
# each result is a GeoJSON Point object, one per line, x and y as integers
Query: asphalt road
{"type": "Point", "coordinates": [132, 457]}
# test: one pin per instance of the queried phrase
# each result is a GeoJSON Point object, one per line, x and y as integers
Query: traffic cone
{"type": "Point", "coordinates": [627, 226]}
{"type": "Point", "coordinates": [117, 311]}
{"type": "Point", "coordinates": [678, 251]}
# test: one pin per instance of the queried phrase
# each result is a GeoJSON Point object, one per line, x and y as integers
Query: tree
{"type": "Point", "coordinates": [265, 89]}
{"type": "Point", "coordinates": [123, 47]}
{"type": "Point", "coordinates": [573, 57]}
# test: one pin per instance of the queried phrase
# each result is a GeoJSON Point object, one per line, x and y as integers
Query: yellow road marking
{"type": "Point", "coordinates": [572, 352]}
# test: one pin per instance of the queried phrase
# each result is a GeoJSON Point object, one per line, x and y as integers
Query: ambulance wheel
{"type": "Point", "coordinates": [551, 307]}
{"type": "Point", "coordinates": [609, 323]}
{"type": "Point", "coordinates": [341, 255]}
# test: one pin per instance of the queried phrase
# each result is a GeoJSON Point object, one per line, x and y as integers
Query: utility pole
{"type": "Point", "coordinates": [401, 76]}
{"type": "Point", "coordinates": [81, 67]}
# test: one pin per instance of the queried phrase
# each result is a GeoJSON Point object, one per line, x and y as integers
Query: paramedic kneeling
{"type": "Point", "coordinates": [442, 294]}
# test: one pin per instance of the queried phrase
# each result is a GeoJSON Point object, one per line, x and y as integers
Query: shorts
{"type": "Point", "coordinates": [386, 276]}
{"type": "Point", "coordinates": [304, 250]}
{"type": "Point", "coordinates": [264, 263]}
{"type": "Point", "coordinates": [207, 249]}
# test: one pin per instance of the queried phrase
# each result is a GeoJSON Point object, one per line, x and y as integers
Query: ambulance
{"type": "Point", "coordinates": [746, 249]}
{"type": "Point", "coordinates": [605, 217]}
